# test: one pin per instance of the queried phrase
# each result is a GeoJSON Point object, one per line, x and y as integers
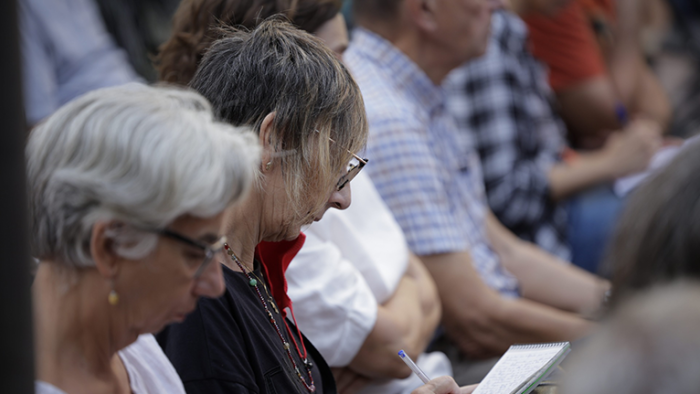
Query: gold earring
{"type": "Point", "coordinates": [113, 297]}
{"type": "Point", "coordinates": [267, 166]}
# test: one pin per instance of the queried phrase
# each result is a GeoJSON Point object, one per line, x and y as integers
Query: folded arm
{"type": "Point", "coordinates": [406, 321]}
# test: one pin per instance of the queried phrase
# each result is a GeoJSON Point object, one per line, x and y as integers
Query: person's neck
{"type": "Point", "coordinates": [426, 55]}
{"type": "Point", "coordinates": [77, 332]}
{"type": "Point", "coordinates": [245, 229]}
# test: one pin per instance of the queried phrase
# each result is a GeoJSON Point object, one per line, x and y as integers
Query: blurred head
{"type": "Point", "coordinates": [334, 33]}
{"type": "Point", "coordinates": [305, 106]}
{"type": "Point", "coordinates": [195, 27]}
{"type": "Point", "coordinates": [458, 29]}
{"type": "Point", "coordinates": [658, 235]}
{"type": "Point", "coordinates": [114, 170]}
{"type": "Point", "coordinates": [650, 345]}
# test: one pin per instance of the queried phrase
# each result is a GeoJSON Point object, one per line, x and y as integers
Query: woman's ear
{"type": "Point", "coordinates": [103, 250]}
{"type": "Point", "coordinates": [265, 139]}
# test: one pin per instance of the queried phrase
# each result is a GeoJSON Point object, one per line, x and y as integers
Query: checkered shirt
{"type": "Point", "coordinates": [503, 101]}
{"type": "Point", "coordinates": [422, 165]}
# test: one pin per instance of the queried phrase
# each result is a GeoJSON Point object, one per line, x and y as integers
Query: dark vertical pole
{"type": "Point", "coordinates": [16, 349]}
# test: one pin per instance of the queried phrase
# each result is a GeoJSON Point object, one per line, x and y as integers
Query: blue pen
{"type": "Point", "coordinates": [621, 114]}
{"type": "Point", "coordinates": [414, 367]}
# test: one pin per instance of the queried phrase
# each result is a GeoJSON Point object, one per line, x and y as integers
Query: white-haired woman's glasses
{"type": "Point", "coordinates": [209, 250]}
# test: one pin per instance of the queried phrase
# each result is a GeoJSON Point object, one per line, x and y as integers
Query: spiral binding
{"type": "Point", "coordinates": [533, 346]}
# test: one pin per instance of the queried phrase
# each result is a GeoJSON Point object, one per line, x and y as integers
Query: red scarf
{"type": "Point", "coordinates": [275, 257]}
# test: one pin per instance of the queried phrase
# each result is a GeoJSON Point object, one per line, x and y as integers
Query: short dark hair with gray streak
{"type": "Point", "coordinates": [278, 68]}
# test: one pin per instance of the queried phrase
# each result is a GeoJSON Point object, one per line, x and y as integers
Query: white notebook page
{"type": "Point", "coordinates": [517, 366]}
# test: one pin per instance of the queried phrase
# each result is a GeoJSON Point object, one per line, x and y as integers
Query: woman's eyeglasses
{"type": "Point", "coordinates": [354, 167]}
{"type": "Point", "coordinates": [209, 250]}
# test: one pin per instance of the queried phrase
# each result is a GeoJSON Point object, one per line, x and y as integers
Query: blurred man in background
{"type": "Point", "coordinates": [495, 289]}
{"type": "Point", "coordinates": [597, 69]}
{"type": "Point", "coordinates": [503, 102]}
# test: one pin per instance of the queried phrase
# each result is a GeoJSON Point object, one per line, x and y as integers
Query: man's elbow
{"type": "Point", "coordinates": [383, 364]}
{"type": "Point", "coordinates": [399, 371]}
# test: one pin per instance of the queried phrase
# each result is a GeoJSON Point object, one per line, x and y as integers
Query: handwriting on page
{"type": "Point", "coordinates": [515, 368]}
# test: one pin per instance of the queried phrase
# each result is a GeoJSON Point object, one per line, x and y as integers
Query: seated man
{"type": "Point", "coordinates": [495, 289]}
{"type": "Point", "coordinates": [504, 102]}
{"type": "Point", "coordinates": [597, 70]}
{"type": "Point", "coordinates": [360, 296]}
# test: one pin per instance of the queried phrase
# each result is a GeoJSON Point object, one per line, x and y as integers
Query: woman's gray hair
{"type": "Point", "coordinates": [139, 155]}
{"type": "Point", "coordinates": [277, 68]}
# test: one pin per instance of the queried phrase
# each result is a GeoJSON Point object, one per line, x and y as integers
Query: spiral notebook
{"type": "Point", "coordinates": [522, 368]}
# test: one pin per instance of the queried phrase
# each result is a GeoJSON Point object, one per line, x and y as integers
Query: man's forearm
{"type": "Point", "coordinates": [637, 86]}
{"type": "Point", "coordinates": [544, 278]}
{"type": "Point", "coordinates": [566, 179]}
{"type": "Point", "coordinates": [651, 99]}
{"type": "Point", "coordinates": [513, 321]}
{"type": "Point", "coordinates": [482, 322]}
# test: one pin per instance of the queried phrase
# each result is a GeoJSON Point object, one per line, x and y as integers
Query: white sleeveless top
{"type": "Point", "coordinates": [150, 371]}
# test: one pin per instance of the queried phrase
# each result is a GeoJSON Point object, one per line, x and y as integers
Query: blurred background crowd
{"type": "Point", "coordinates": [668, 33]}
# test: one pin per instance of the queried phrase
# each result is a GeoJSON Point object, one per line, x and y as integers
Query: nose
{"type": "Point", "coordinates": [211, 282]}
{"type": "Point", "coordinates": [341, 199]}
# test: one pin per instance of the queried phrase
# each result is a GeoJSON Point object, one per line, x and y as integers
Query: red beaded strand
{"type": "Point", "coordinates": [287, 347]}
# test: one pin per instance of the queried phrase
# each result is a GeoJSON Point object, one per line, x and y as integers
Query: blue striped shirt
{"type": "Point", "coordinates": [424, 168]}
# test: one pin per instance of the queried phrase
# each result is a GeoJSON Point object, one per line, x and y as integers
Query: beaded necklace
{"type": "Point", "coordinates": [310, 387]}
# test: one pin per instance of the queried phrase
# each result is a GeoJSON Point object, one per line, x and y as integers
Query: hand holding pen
{"type": "Point", "coordinates": [415, 368]}
{"type": "Point", "coordinates": [441, 385]}
{"type": "Point", "coordinates": [444, 385]}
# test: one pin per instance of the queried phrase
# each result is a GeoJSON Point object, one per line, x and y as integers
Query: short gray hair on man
{"type": "Point", "coordinates": [134, 154]}
{"type": "Point", "coordinates": [650, 345]}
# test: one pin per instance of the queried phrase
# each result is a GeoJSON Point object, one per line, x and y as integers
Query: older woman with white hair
{"type": "Point", "coordinates": [127, 191]}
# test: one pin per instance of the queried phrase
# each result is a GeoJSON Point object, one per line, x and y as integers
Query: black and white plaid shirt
{"type": "Point", "coordinates": [504, 101]}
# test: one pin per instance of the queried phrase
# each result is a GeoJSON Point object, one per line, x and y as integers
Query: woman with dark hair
{"type": "Point", "coordinates": [310, 119]}
{"type": "Point", "coordinates": [658, 236]}
{"type": "Point", "coordinates": [195, 21]}
{"type": "Point", "coordinates": [355, 272]}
